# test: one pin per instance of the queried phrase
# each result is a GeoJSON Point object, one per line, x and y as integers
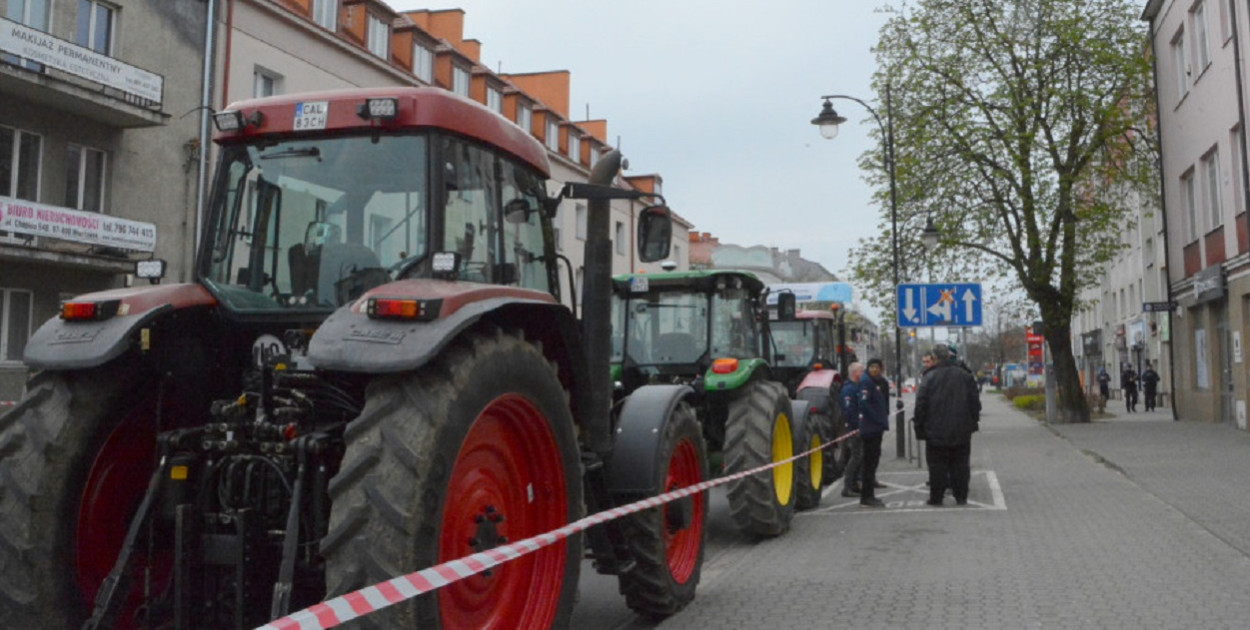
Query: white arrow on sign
{"type": "Point", "coordinates": [910, 309]}
{"type": "Point", "coordinates": [968, 299]}
{"type": "Point", "coordinates": [943, 307]}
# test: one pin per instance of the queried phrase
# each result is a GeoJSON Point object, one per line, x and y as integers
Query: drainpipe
{"type": "Point", "coordinates": [1163, 185]}
{"type": "Point", "coordinates": [206, 100]}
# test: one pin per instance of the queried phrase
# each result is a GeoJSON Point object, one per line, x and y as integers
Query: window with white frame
{"type": "Point", "coordinates": [95, 26]}
{"type": "Point", "coordinates": [84, 178]}
{"type": "Point", "coordinates": [1189, 197]}
{"type": "Point", "coordinates": [1201, 39]}
{"type": "Point", "coordinates": [423, 62]}
{"type": "Point", "coordinates": [619, 234]}
{"type": "Point", "coordinates": [16, 316]}
{"type": "Point", "coordinates": [326, 13]}
{"type": "Point", "coordinates": [460, 81]}
{"type": "Point", "coordinates": [378, 36]}
{"type": "Point", "coordinates": [579, 214]}
{"type": "Point", "coordinates": [265, 82]}
{"type": "Point", "coordinates": [19, 164]}
{"type": "Point", "coordinates": [575, 146]}
{"type": "Point", "coordinates": [494, 99]}
{"type": "Point", "coordinates": [1235, 139]}
{"type": "Point", "coordinates": [555, 233]}
{"type": "Point", "coordinates": [1226, 19]}
{"type": "Point", "coordinates": [553, 133]}
{"type": "Point", "coordinates": [594, 154]}
{"type": "Point", "coordinates": [33, 13]}
{"type": "Point", "coordinates": [525, 116]}
{"type": "Point", "coordinates": [1211, 189]}
{"type": "Point", "coordinates": [1180, 59]}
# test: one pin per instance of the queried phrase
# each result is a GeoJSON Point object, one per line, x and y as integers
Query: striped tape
{"type": "Point", "coordinates": [343, 608]}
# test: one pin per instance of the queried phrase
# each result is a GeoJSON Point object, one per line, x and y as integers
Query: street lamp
{"type": "Point", "coordinates": [930, 235]}
{"type": "Point", "coordinates": [828, 120]}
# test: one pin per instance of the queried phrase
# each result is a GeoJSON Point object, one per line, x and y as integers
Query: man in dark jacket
{"type": "Point", "coordinates": [1150, 384]}
{"type": "Point", "coordinates": [854, 446]}
{"type": "Point", "coordinates": [874, 421]}
{"type": "Point", "coordinates": [948, 412]}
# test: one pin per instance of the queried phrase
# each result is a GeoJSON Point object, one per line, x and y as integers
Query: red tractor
{"type": "Point", "coordinates": [371, 374]}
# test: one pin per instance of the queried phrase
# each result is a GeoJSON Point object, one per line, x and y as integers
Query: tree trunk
{"type": "Point", "coordinates": [1072, 404]}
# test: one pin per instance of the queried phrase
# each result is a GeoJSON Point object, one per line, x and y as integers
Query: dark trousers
{"type": "Point", "coordinates": [948, 466]}
{"type": "Point", "coordinates": [868, 467]}
{"type": "Point", "coordinates": [1130, 399]}
{"type": "Point", "coordinates": [854, 460]}
{"type": "Point", "coordinates": [1150, 399]}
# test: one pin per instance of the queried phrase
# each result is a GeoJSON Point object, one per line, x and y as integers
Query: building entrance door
{"type": "Point", "coordinates": [1227, 411]}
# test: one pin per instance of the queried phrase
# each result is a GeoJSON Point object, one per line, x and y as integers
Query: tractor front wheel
{"type": "Point", "coordinates": [471, 452]}
{"type": "Point", "coordinates": [758, 432]}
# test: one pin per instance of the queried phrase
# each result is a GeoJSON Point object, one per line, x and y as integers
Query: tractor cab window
{"type": "Point", "coordinates": [734, 332]}
{"type": "Point", "coordinates": [794, 341]}
{"type": "Point", "coordinates": [664, 328]}
{"type": "Point", "coordinates": [493, 217]}
{"type": "Point", "coordinates": [314, 223]}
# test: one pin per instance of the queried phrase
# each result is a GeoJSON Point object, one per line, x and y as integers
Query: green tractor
{"type": "Point", "coordinates": [700, 339]}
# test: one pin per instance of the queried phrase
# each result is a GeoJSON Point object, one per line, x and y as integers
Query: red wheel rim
{"type": "Point", "coordinates": [508, 481]}
{"type": "Point", "coordinates": [115, 486]}
{"type": "Point", "coordinates": [681, 547]}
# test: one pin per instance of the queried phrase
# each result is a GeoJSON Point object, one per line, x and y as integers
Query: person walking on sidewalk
{"type": "Point", "coordinates": [874, 421]}
{"type": "Point", "coordinates": [1128, 382]}
{"type": "Point", "coordinates": [948, 412]}
{"type": "Point", "coordinates": [1150, 384]}
{"type": "Point", "coordinates": [1104, 384]}
{"type": "Point", "coordinates": [849, 399]}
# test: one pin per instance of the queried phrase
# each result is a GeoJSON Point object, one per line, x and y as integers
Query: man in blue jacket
{"type": "Point", "coordinates": [849, 399]}
{"type": "Point", "coordinates": [874, 421]}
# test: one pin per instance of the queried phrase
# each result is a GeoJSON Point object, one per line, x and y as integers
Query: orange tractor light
{"type": "Point", "coordinates": [89, 311]}
{"type": "Point", "coordinates": [403, 308]}
{"type": "Point", "coordinates": [724, 366]}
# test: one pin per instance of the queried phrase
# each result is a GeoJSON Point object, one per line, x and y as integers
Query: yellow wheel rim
{"type": "Point", "coordinates": [783, 449]}
{"type": "Point", "coordinates": [818, 462]}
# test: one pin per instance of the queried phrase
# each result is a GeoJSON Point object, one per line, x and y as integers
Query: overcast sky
{"type": "Point", "coordinates": [717, 98]}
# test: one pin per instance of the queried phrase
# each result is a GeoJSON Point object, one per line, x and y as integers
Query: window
{"type": "Point", "coordinates": [594, 154]}
{"type": "Point", "coordinates": [1181, 61]}
{"type": "Point", "coordinates": [1211, 192]}
{"type": "Point", "coordinates": [676, 255]}
{"type": "Point", "coordinates": [265, 83]}
{"type": "Point", "coordinates": [95, 26]}
{"type": "Point", "coordinates": [19, 164]}
{"type": "Point", "coordinates": [525, 116]}
{"type": "Point", "coordinates": [84, 179]}
{"type": "Point", "coordinates": [460, 81]}
{"type": "Point", "coordinates": [575, 146]}
{"type": "Point", "coordinates": [15, 318]}
{"type": "Point", "coordinates": [326, 13]}
{"type": "Point", "coordinates": [1189, 198]}
{"type": "Point", "coordinates": [552, 136]}
{"type": "Point", "coordinates": [1226, 16]}
{"type": "Point", "coordinates": [32, 13]}
{"type": "Point", "coordinates": [1235, 140]}
{"type": "Point", "coordinates": [378, 36]}
{"type": "Point", "coordinates": [620, 238]}
{"type": "Point", "coordinates": [1201, 46]}
{"type": "Point", "coordinates": [555, 233]}
{"type": "Point", "coordinates": [494, 99]}
{"type": "Point", "coordinates": [423, 63]}
{"type": "Point", "coordinates": [580, 215]}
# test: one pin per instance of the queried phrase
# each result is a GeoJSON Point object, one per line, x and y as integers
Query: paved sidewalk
{"type": "Point", "coordinates": [1076, 543]}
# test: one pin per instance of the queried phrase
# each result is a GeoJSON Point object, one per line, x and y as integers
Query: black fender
{"type": "Point", "coordinates": [70, 345]}
{"type": "Point", "coordinates": [639, 430]}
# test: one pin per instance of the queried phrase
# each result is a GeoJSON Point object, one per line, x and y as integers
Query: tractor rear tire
{"type": "Point", "coordinates": [758, 432]}
{"type": "Point", "coordinates": [49, 444]}
{"type": "Point", "coordinates": [668, 541]}
{"type": "Point", "coordinates": [808, 471]}
{"type": "Point", "coordinates": [831, 428]}
{"type": "Point", "coordinates": [475, 450]}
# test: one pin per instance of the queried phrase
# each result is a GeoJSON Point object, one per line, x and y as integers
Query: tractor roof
{"type": "Point", "coordinates": [699, 280]}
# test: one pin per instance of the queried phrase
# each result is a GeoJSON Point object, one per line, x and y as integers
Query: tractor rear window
{"type": "Point", "coordinates": [664, 328]}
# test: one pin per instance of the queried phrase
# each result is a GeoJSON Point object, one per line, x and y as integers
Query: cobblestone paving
{"type": "Point", "coordinates": [1078, 545]}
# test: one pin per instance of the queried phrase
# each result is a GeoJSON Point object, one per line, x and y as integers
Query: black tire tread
{"type": "Point", "coordinates": [748, 444]}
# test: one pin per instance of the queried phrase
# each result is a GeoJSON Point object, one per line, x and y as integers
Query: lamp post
{"type": "Point", "coordinates": [828, 120]}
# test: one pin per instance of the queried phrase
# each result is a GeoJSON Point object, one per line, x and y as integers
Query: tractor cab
{"type": "Point", "coordinates": [805, 343]}
{"type": "Point", "coordinates": [680, 327]}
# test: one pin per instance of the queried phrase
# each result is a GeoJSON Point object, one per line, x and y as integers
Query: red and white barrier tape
{"type": "Point", "coordinates": [370, 599]}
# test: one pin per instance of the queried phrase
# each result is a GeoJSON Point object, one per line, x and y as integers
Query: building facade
{"type": "Point", "coordinates": [1201, 79]}
{"type": "Point", "coordinates": [99, 139]}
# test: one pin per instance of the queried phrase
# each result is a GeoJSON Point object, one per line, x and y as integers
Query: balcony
{"type": "Point", "coordinates": [54, 73]}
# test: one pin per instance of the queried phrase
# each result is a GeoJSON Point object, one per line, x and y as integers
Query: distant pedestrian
{"type": "Point", "coordinates": [854, 445]}
{"type": "Point", "coordinates": [1104, 384]}
{"type": "Point", "coordinates": [874, 421]}
{"type": "Point", "coordinates": [1150, 383]}
{"type": "Point", "coordinates": [948, 412]}
{"type": "Point", "coordinates": [1128, 382]}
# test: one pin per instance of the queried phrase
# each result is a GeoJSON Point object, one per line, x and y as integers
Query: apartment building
{"type": "Point", "coordinates": [1201, 80]}
{"type": "Point", "coordinates": [99, 140]}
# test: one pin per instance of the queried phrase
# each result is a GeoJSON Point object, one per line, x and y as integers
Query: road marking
{"type": "Point", "coordinates": [907, 492]}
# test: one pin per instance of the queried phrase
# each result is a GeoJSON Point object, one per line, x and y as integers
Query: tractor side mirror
{"type": "Point", "coordinates": [786, 306]}
{"type": "Point", "coordinates": [655, 233]}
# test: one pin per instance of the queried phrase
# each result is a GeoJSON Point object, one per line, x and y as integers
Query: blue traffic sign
{"type": "Point", "coordinates": [939, 305]}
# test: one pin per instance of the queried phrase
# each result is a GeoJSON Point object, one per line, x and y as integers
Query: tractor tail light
{"type": "Point", "coordinates": [403, 308]}
{"type": "Point", "coordinates": [724, 366]}
{"type": "Point", "coordinates": [89, 311]}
